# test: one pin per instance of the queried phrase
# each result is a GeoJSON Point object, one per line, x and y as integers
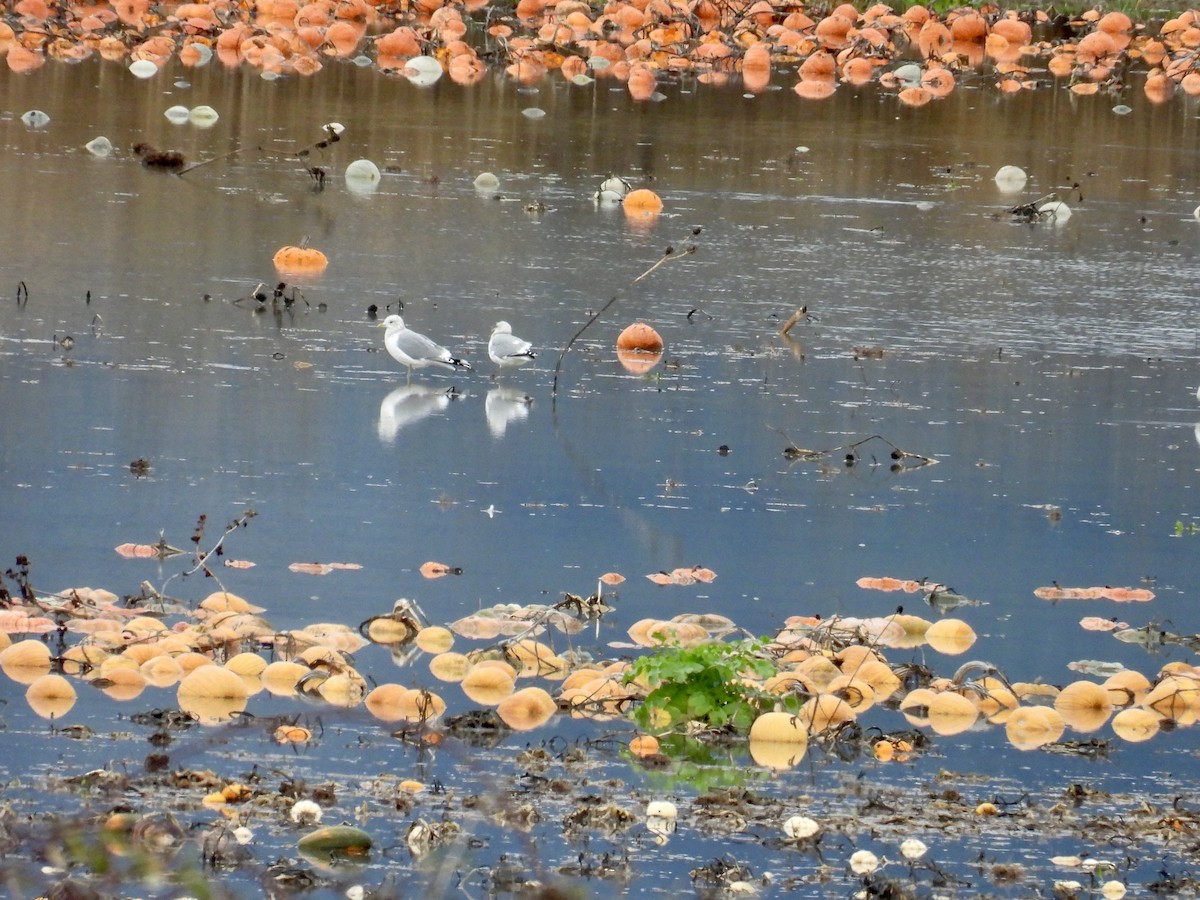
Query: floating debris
{"type": "Point", "coordinates": [362, 176]}
{"type": "Point", "coordinates": [310, 568]}
{"type": "Point", "coordinates": [1054, 593]}
{"type": "Point", "coordinates": [486, 183]}
{"type": "Point", "coordinates": [1011, 179]}
{"type": "Point", "coordinates": [335, 840]}
{"type": "Point", "coordinates": [100, 147]}
{"type": "Point", "coordinates": [203, 116]}
{"type": "Point", "coordinates": [143, 68]}
{"type": "Point", "coordinates": [422, 71]}
{"type": "Point", "coordinates": [35, 118]}
{"type": "Point", "coordinates": [153, 158]}
{"type": "Point", "coordinates": [433, 569]}
{"type": "Point", "coordinates": [863, 862]}
{"type": "Point", "coordinates": [684, 576]}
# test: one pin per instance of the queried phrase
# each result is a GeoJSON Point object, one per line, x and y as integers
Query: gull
{"type": "Point", "coordinates": [506, 349]}
{"type": "Point", "coordinates": [612, 190]}
{"type": "Point", "coordinates": [415, 351]}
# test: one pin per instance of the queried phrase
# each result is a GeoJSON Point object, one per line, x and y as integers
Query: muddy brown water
{"type": "Point", "coordinates": [1049, 369]}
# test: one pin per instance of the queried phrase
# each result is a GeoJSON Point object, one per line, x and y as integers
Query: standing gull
{"type": "Point", "coordinates": [506, 349]}
{"type": "Point", "coordinates": [415, 351]}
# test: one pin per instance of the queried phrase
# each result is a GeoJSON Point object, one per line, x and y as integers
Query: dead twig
{"type": "Point", "coordinates": [202, 558]}
{"type": "Point", "coordinates": [204, 162]}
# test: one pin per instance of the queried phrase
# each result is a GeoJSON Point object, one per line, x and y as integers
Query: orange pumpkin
{"type": "Point", "coordinates": [640, 336]}
{"type": "Point", "coordinates": [643, 200]}
{"type": "Point", "coordinates": [300, 259]}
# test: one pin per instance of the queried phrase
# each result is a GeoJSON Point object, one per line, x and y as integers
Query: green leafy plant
{"type": "Point", "coordinates": [703, 765]}
{"type": "Point", "coordinates": [705, 683]}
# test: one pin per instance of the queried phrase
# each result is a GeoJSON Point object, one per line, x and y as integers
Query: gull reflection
{"type": "Point", "coordinates": [503, 405]}
{"type": "Point", "coordinates": [411, 403]}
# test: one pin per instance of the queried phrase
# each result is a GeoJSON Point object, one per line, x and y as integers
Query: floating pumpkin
{"type": "Point", "coordinates": [345, 689]}
{"type": "Point", "coordinates": [640, 336]}
{"type": "Point", "coordinates": [824, 712]}
{"type": "Point", "coordinates": [25, 661]}
{"type": "Point", "coordinates": [449, 666]}
{"type": "Point", "coordinates": [950, 636]}
{"type": "Point", "coordinates": [161, 671]}
{"type": "Point", "coordinates": [1136, 725]}
{"type": "Point", "coordinates": [643, 201]}
{"type": "Point", "coordinates": [644, 745]}
{"type": "Point", "coordinates": [915, 705]}
{"type": "Point", "coordinates": [1158, 87]}
{"type": "Point", "coordinates": [642, 85]}
{"type": "Point", "coordinates": [247, 665]}
{"type": "Point", "coordinates": [388, 702]}
{"type": "Point", "coordinates": [212, 694]}
{"type": "Point", "coordinates": [1127, 687]}
{"type": "Point", "coordinates": [527, 709]}
{"type": "Point", "coordinates": [435, 639]}
{"type": "Point", "coordinates": [915, 96]}
{"type": "Point", "coordinates": [281, 676]}
{"type": "Point", "coordinates": [778, 728]}
{"type": "Point", "coordinates": [223, 601]}
{"type": "Point", "coordinates": [300, 259]}
{"type": "Point", "coordinates": [950, 713]}
{"type": "Point", "coordinates": [335, 840]}
{"type": "Point", "coordinates": [1030, 727]}
{"type": "Point", "coordinates": [1084, 705]}
{"type": "Point", "coordinates": [488, 685]}
{"type": "Point", "coordinates": [50, 696]}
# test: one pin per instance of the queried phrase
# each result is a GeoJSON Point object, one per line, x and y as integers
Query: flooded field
{"type": "Point", "coordinates": [1000, 412]}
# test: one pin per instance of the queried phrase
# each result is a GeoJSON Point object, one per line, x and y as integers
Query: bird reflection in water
{"type": "Point", "coordinates": [504, 405]}
{"type": "Point", "coordinates": [410, 403]}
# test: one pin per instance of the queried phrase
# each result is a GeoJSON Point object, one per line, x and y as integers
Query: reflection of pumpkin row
{"type": "Point", "coordinates": [1032, 715]}
{"type": "Point", "coordinates": [635, 43]}
{"type": "Point", "coordinates": [833, 670]}
{"type": "Point", "coordinates": [1036, 714]}
{"type": "Point", "coordinates": [683, 576]}
{"type": "Point", "coordinates": [1118, 594]}
{"type": "Point", "coordinates": [897, 584]}
{"type": "Point", "coordinates": [843, 686]}
{"type": "Point", "coordinates": [1053, 592]}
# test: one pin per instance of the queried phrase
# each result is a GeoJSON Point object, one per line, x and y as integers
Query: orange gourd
{"type": "Point", "coordinates": [300, 259]}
